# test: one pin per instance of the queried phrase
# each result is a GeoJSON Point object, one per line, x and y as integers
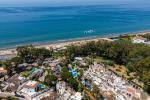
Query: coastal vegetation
{"type": "Point", "coordinates": [73, 82]}
{"type": "Point", "coordinates": [50, 79]}
{"type": "Point", "coordinates": [147, 36]}
{"type": "Point", "coordinates": [30, 54]}
{"type": "Point", "coordinates": [26, 54]}
{"type": "Point", "coordinates": [136, 58]}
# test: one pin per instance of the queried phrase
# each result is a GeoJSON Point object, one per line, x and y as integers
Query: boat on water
{"type": "Point", "coordinates": [89, 31]}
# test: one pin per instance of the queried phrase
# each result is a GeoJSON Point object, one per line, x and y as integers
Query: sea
{"type": "Point", "coordinates": [36, 25]}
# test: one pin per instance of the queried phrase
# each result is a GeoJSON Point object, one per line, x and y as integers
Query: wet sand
{"type": "Point", "coordinates": [10, 52]}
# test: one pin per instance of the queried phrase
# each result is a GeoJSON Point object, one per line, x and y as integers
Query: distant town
{"type": "Point", "coordinates": [112, 68]}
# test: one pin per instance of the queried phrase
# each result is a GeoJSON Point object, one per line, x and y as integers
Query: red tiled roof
{"type": "Point", "coordinates": [130, 90]}
{"type": "Point", "coordinates": [2, 70]}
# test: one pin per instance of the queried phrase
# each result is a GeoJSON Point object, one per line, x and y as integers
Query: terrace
{"type": "Point", "coordinates": [139, 39]}
{"type": "Point", "coordinates": [12, 84]}
{"type": "Point", "coordinates": [30, 88]}
{"type": "Point", "coordinates": [66, 93]}
{"type": "Point", "coordinates": [108, 81]}
{"type": "Point", "coordinates": [2, 71]}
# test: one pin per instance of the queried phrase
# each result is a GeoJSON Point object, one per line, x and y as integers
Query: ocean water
{"type": "Point", "coordinates": [26, 25]}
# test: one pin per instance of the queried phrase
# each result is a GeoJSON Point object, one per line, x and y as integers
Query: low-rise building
{"type": "Point", "coordinates": [34, 90]}
{"type": "Point", "coordinates": [107, 81]}
{"type": "Point", "coordinates": [132, 93]}
{"type": "Point", "coordinates": [30, 88]}
{"type": "Point", "coordinates": [78, 58]}
{"type": "Point", "coordinates": [67, 93]}
{"type": "Point", "coordinates": [12, 84]}
{"type": "Point", "coordinates": [2, 71]}
{"type": "Point", "coordinates": [22, 67]}
{"type": "Point", "coordinates": [35, 72]}
{"type": "Point", "coordinates": [139, 40]}
{"type": "Point", "coordinates": [46, 95]}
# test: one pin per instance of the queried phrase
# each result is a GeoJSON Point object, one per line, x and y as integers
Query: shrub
{"type": "Point", "coordinates": [118, 70]}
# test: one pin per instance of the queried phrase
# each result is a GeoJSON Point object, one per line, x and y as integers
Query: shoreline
{"type": "Point", "coordinates": [62, 43]}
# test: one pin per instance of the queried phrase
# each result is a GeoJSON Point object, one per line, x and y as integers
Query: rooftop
{"type": "Point", "coordinates": [130, 90]}
{"type": "Point", "coordinates": [31, 84]}
{"type": "Point", "coordinates": [2, 70]}
{"type": "Point", "coordinates": [107, 80]}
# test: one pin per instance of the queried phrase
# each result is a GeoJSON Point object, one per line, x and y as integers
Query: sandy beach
{"type": "Point", "coordinates": [7, 53]}
{"type": "Point", "coordinates": [10, 53]}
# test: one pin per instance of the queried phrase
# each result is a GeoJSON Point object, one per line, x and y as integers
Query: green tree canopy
{"type": "Point", "coordinates": [50, 79]}
{"type": "Point", "coordinates": [65, 74]}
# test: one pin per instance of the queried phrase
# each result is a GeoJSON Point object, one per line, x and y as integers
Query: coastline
{"type": "Point", "coordinates": [61, 43]}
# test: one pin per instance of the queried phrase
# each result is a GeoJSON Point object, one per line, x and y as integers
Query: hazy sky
{"type": "Point", "coordinates": [67, 2]}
